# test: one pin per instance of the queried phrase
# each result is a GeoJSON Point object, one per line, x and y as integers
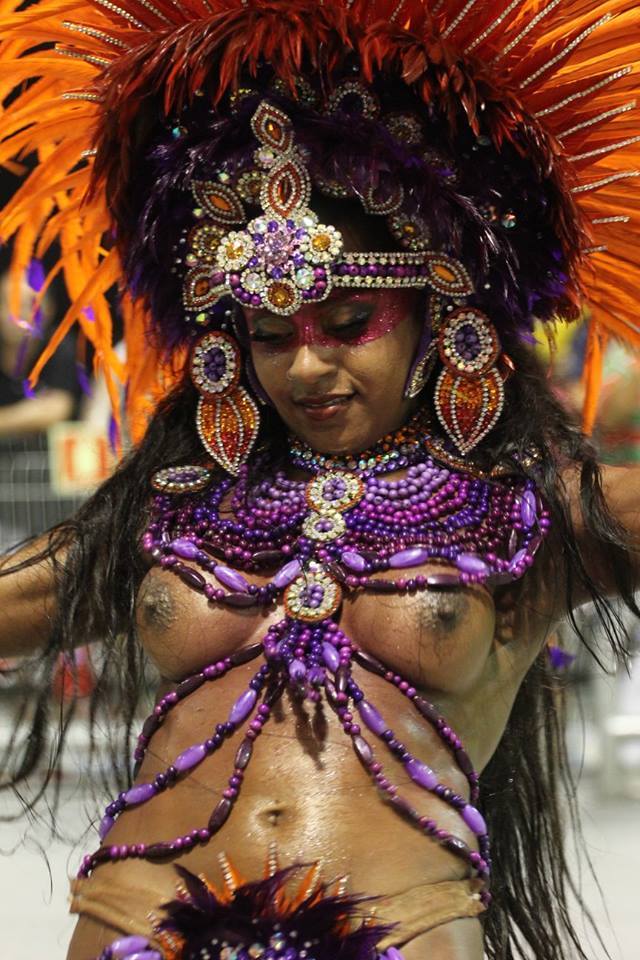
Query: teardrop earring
{"type": "Point", "coordinates": [227, 418]}
{"type": "Point", "coordinates": [469, 394]}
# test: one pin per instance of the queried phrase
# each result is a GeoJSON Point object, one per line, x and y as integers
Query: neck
{"type": "Point", "coordinates": [392, 446]}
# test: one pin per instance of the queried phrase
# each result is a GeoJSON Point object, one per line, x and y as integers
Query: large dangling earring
{"type": "Point", "coordinates": [228, 418]}
{"type": "Point", "coordinates": [469, 393]}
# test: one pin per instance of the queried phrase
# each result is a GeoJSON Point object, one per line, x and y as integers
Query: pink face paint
{"type": "Point", "coordinates": [350, 320]}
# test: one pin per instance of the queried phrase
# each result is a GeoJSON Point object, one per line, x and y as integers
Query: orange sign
{"type": "Point", "coordinates": [80, 458]}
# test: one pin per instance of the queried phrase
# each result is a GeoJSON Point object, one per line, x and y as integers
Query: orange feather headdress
{"type": "Point", "coordinates": [82, 80]}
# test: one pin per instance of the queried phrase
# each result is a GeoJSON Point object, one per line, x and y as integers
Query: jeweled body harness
{"type": "Point", "coordinates": [328, 536]}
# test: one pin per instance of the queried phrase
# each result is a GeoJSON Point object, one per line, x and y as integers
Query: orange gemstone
{"type": "Point", "coordinates": [233, 250]}
{"type": "Point", "coordinates": [445, 273]}
{"type": "Point", "coordinates": [201, 287]}
{"type": "Point", "coordinates": [280, 295]}
{"type": "Point", "coordinates": [220, 202]}
{"type": "Point", "coordinates": [321, 242]}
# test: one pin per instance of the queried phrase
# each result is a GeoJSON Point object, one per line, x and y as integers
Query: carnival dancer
{"type": "Point", "coordinates": [352, 511]}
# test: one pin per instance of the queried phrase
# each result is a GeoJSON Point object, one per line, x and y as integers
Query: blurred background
{"type": "Point", "coordinates": [54, 450]}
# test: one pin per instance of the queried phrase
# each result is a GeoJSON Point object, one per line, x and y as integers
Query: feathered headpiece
{"type": "Point", "coordinates": [531, 115]}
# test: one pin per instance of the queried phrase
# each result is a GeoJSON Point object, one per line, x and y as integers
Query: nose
{"type": "Point", "coordinates": [310, 364]}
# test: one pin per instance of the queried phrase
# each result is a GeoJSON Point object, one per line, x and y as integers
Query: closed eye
{"type": "Point", "coordinates": [259, 337]}
{"type": "Point", "coordinates": [352, 328]}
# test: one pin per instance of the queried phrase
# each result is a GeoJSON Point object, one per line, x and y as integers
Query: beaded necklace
{"type": "Point", "coordinates": [328, 535]}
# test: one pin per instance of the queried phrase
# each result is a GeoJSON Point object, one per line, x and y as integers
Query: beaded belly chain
{"type": "Point", "coordinates": [345, 530]}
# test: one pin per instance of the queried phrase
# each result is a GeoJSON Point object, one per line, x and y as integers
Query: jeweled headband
{"type": "Point", "coordinates": [516, 139]}
{"type": "Point", "coordinates": [285, 256]}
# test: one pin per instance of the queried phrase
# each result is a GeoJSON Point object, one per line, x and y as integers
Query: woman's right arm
{"type": "Point", "coordinates": [27, 601]}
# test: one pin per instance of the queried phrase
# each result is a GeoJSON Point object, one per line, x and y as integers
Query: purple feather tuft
{"type": "Point", "coordinates": [35, 275]}
{"type": "Point", "coordinates": [21, 358]}
{"type": "Point", "coordinates": [558, 658]}
{"type": "Point", "coordinates": [114, 434]}
{"type": "Point", "coordinates": [83, 379]}
{"type": "Point", "coordinates": [256, 917]}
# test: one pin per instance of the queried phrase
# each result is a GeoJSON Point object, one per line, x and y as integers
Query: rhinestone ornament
{"type": "Point", "coordinates": [334, 490]}
{"type": "Point", "coordinates": [325, 526]}
{"type": "Point", "coordinates": [215, 364]}
{"type": "Point", "coordinates": [468, 343]}
{"type": "Point", "coordinates": [312, 597]}
{"type": "Point", "coordinates": [184, 479]}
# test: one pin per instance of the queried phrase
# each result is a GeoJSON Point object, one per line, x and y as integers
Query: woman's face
{"type": "Point", "coordinates": [335, 371]}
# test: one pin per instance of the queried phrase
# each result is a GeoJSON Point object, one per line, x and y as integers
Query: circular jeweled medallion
{"type": "Point", "coordinates": [324, 526]}
{"type": "Point", "coordinates": [215, 364]}
{"type": "Point", "coordinates": [468, 343]}
{"type": "Point", "coordinates": [334, 491]}
{"type": "Point", "coordinates": [312, 596]}
{"type": "Point", "coordinates": [186, 479]}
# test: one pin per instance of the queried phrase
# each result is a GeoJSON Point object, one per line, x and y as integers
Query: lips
{"type": "Point", "coordinates": [328, 400]}
{"type": "Point", "coordinates": [325, 407]}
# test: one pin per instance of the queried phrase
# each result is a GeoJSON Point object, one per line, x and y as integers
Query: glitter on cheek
{"type": "Point", "coordinates": [391, 307]}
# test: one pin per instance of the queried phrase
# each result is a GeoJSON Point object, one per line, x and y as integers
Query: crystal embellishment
{"type": "Point", "coordinates": [312, 596]}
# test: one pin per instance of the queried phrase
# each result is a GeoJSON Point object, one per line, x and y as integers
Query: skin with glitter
{"type": "Point", "coordinates": [336, 371]}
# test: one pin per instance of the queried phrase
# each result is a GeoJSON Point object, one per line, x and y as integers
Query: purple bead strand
{"type": "Point", "coordinates": [168, 849]}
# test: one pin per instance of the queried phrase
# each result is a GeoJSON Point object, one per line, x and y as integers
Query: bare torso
{"type": "Point", "coordinates": [305, 790]}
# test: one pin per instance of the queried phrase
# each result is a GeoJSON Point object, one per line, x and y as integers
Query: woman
{"type": "Point", "coordinates": [352, 523]}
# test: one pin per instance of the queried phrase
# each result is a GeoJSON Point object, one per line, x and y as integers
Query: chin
{"type": "Point", "coordinates": [338, 441]}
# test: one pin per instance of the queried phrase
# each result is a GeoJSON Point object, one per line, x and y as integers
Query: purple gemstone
{"type": "Point", "coordinates": [215, 363]}
{"type": "Point", "coordinates": [297, 670]}
{"type": "Point", "coordinates": [471, 563]}
{"type": "Point", "coordinates": [243, 706]}
{"type": "Point", "coordinates": [145, 955]}
{"type": "Point", "coordinates": [409, 558]}
{"type": "Point", "coordinates": [186, 549]}
{"type": "Point", "coordinates": [363, 750]}
{"type": "Point", "coordinates": [239, 600]}
{"type": "Point", "coordinates": [371, 717]}
{"type": "Point", "coordinates": [220, 814]}
{"type": "Point", "coordinates": [243, 754]}
{"type": "Point", "coordinates": [105, 826]}
{"type": "Point", "coordinates": [190, 757]}
{"type": "Point", "coordinates": [528, 508]}
{"type": "Point", "coordinates": [392, 954]}
{"type": "Point", "coordinates": [421, 774]}
{"type": "Point", "coordinates": [231, 579]}
{"type": "Point", "coordinates": [516, 560]}
{"type": "Point", "coordinates": [443, 580]}
{"type": "Point", "coordinates": [474, 820]}
{"type": "Point", "coordinates": [534, 545]}
{"type": "Point", "coordinates": [139, 794]}
{"type": "Point", "coordinates": [316, 676]}
{"type": "Point", "coordinates": [122, 948]}
{"type": "Point", "coordinates": [353, 560]}
{"type": "Point", "coordinates": [330, 656]}
{"type": "Point", "coordinates": [287, 574]}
